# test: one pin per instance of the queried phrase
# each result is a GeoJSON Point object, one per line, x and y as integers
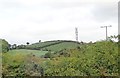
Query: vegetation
{"type": "Point", "coordinates": [21, 62]}
{"type": "Point", "coordinates": [26, 52]}
{"type": "Point", "coordinates": [63, 58]}
{"type": "Point", "coordinates": [53, 45]}
{"type": "Point", "coordinates": [4, 45]}
{"type": "Point", "coordinates": [99, 59]}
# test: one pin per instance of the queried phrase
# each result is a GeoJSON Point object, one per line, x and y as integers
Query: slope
{"type": "Point", "coordinates": [56, 45]}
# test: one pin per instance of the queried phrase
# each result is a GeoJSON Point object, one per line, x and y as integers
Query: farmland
{"type": "Point", "coordinates": [54, 45]}
{"type": "Point", "coordinates": [26, 52]}
{"type": "Point", "coordinates": [62, 58]}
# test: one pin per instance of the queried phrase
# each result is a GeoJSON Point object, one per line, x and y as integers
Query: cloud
{"type": "Point", "coordinates": [106, 11]}
{"type": "Point", "coordinates": [31, 20]}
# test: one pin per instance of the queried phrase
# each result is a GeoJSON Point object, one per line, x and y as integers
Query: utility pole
{"type": "Point", "coordinates": [106, 30]}
{"type": "Point", "coordinates": [76, 33]}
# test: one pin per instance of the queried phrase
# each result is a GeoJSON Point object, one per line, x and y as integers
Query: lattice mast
{"type": "Point", "coordinates": [76, 33]}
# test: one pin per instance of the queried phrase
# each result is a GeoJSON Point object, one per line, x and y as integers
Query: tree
{"type": "Point", "coordinates": [10, 46]}
{"type": "Point", "coordinates": [5, 45]}
{"type": "Point", "coordinates": [39, 41]}
{"type": "Point", "coordinates": [14, 46]}
{"type": "Point", "coordinates": [21, 46]}
{"type": "Point", "coordinates": [82, 42]}
{"type": "Point", "coordinates": [27, 43]}
{"type": "Point", "coordinates": [48, 55]}
{"type": "Point", "coordinates": [112, 38]}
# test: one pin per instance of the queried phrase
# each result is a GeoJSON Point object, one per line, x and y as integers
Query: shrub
{"type": "Point", "coordinates": [4, 45]}
{"type": "Point", "coordinates": [48, 55]}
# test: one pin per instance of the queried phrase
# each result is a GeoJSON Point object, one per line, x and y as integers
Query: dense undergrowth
{"type": "Point", "coordinates": [99, 59]}
{"type": "Point", "coordinates": [94, 59]}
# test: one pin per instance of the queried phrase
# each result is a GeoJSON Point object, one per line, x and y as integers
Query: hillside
{"type": "Point", "coordinates": [56, 45]}
{"type": "Point", "coordinates": [96, 59]}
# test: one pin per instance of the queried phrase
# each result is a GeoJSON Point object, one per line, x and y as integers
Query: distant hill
{"type": "Point", "coordinates": [55, 45]}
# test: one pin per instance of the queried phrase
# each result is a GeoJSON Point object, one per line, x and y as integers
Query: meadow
{"type": "Point", "coordinates": [25, 52]}
{"type": "Point", "coordinates": [55, 45]}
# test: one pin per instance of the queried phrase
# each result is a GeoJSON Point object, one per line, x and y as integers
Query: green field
{"type": "Point", "coordinates": [20, 55]}
{"type": "Point", "coordinates": [63, 59]}
{"type": "Point", "coordinates": [26, 52]}
{"type": "Point", "coordinates": [62, 46]}
{"type": "Point", "coordinates": [54, 45]}
{"type": "Point", "coordinates": [41, 44]}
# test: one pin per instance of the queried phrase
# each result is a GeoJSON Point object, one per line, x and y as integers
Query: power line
{"type": "Point", "coordinates": [106, 30]}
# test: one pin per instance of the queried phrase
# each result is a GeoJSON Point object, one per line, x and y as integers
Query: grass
{"type": "Point", "coordinates": [41, 44]}
{"type": "Point", "coordinates": [54, 45]}
{"type": "Point", "coordinates": [17, 60]}
{"type": "Point", "coordinates": [19, 55]}
{"type": "Point", "coordinates": [88, 59]}
{"type": "Point", "coordinates": [26, 52]}
{"type": "Point", "coordinates": [62, 46]}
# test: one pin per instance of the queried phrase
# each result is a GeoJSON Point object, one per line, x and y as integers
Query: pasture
{"type": "Point", "coordinates": [54, 45]}
{"type": "Point", "coordinates": [26, 52]}
{"type": "Point", "coordinates": [20, 55]}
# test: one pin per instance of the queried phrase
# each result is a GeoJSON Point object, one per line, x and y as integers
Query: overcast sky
{"type": "Point", "coordinates": [34, 20]}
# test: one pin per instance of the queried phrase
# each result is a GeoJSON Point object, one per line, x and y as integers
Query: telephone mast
{"type": "Point", "coordinates": [76, 33]}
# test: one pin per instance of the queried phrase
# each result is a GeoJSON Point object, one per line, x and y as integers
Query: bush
{"type": "Point", "coordinates": [48, 55]}
{"type": "Point", "coordinates": [4, 45]}
{"type": "Point", "coordinates": [99, 59]}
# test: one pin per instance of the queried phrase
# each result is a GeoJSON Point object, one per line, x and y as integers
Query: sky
{"type": "Point", "coordinates": [24, 21]}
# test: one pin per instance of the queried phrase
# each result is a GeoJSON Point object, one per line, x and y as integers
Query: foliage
{"type": "Point", "coordinates": [114, 38]}
{"type": "Point", "coordinates": [53, 45]}
{"type": "Point", "coordinates": [99, 59]}
{"type": "Point", "coordinates": [27, 43]}
{"type": "Point", "coordinates": [21, 47]}
{"type": "Point", "coordinates": [22, 63]}
{"type": "Point", "coordinates": [48, 55]}
{"type": "Point", "coordinates": [4, 45]}
{"type": "Point", "coordinates": [94, 59]}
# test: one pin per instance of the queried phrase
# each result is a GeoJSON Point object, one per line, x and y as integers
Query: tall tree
{"type": "Point", "coordinates": [4, 44]}
{"type": "Point", "coordinates": [14, 46]}
{"type": "Point", "coordinates": [27, 43]}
